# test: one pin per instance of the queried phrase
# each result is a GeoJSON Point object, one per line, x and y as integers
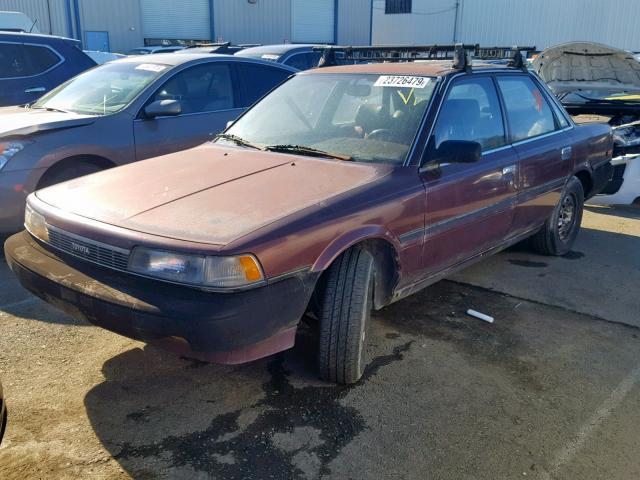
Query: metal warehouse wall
{"type": "Point", "coordinates": [262, 22]}
{"type": "Point", "coordinates": [51, 15]}
{"type": "Point", "coordinates": [354, 22]}
{"type": "Point", "coordinates": [121, 18]}
{"type": "Point", "coordinates": [510, 22]}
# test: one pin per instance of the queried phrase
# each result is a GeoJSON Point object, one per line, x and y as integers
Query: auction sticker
{"type": "Point", "coordinates": [401, 81]}
{"type": "Point", "coordinates": [151, 67]}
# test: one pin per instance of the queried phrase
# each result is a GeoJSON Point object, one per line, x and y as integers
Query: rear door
{"type": "Point", "coordinates": [543, 146]}
{"type": "Point", "coordinates": [209, 99]}
{"type": "Point", "coordinates": [24, 72]}
{"type": "Point", "coordinates": [469, 206]}
{"type": "Point", "coordinates": [256, 80]}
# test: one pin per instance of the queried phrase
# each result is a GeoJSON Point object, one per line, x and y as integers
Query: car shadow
{"type": "Point", "coordinates": [624, 211]}
{"type": "Point", "coordinates": [272, 418]}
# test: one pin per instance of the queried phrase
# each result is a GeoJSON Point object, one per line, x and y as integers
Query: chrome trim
{"type": "Point", "coordinates": [60, 57]}
{"type": "Point", "coordinates": [410, 236]}
{"type": "Point", "coordinates": [544, 135]}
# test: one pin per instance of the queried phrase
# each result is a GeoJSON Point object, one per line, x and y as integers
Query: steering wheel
{"type": "Point", "coordinates": [381, 134]}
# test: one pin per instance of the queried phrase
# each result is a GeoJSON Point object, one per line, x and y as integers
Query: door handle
{"type": "Point", "coordinates": [35, 90]}
{"type": "Point", "coordinates": [565, 153]}
{"type": "Point", "coordinates": [510, 170]}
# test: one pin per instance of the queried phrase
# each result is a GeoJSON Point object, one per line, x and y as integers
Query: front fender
{"type": "Point", "coordinates": [351, 238]}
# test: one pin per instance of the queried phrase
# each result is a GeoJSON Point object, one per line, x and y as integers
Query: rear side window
{"type": "Point", "coordinates": [204, 88]}
{"type": "Point", "coordinates": [257, 80]}
{"type": "Point", "coordinates": [528, 111]}
{"type": "Point", "coordinates": [304, 61]}
{"type": "Point", "coordinates": [17, 60]}
{"type": "Point", "coordinates": [471, 112]}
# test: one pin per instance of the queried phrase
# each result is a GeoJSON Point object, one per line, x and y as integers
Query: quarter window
{"type": "Point", "coordinates": [17, 60]}
{"type": "Point", "coordinates": [471, 112]}
{"type": "Point", "coordinates": [204, 88]}
{"type": "Point", "coordinates": [528, 112]}
{"type": "Point", "coordinates": [257, 80]}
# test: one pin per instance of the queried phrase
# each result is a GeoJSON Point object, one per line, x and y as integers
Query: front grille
{"type": "Point", "coordinates": [89, 250]}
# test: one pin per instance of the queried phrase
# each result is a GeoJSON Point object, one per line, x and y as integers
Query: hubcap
{"type": "Point", "coordinates": [566, 217]}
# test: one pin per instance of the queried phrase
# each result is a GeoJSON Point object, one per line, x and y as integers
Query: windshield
{"type": "Point", "coordinates": [103, 90]}
{"type": "Point", "coordinates": [366, 118]}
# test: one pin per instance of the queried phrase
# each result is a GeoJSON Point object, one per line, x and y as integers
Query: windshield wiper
{"type": "Point", "coordinates": [50, 109]}
{"type": "Point", "coordinates": [314, 152]}
{"type": "Point", "coordinates": [239, 140]}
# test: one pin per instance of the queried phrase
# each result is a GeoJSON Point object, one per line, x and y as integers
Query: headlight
{"type": "Point", "coordinates": [8, 150]}
{"type": "Point", "coordinates": [35, 224]}
{"type": "Point", "coordinates": [217, 272]}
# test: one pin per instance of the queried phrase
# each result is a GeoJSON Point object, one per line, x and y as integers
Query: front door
{"type": "Point", "coordinates": [208, 101]}
{"type": "Point", "coordinates": [469, 206]}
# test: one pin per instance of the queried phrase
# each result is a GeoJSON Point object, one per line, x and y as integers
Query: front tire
{"type": "Point", "coordinates": [346, 302]}
{"type": "Point", "coordinates": [561, 229]}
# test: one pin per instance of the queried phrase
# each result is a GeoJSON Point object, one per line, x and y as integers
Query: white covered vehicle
{"type": "Point", "coordinates": [597, 83]}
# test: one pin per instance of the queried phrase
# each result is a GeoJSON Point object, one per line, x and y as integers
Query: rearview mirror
{"type": "Point", "coordinates": [458, 151]}
{"type": "Point", "coordinates": [163, 108]}
{"type": "Point", "coordinates": [358, 90]}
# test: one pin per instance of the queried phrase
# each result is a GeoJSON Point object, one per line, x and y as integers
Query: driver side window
{"type": "Point", "coordinates": [203, 88]}
{"type": "Point", "coordinates": [471, 112]}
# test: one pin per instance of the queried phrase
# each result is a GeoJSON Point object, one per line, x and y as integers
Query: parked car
{"type": "Point", "coordinates": [17, 22]}
{"type": "Point", "coordinates": [226, 48]}
{"type": "Point", "coordinates": [302, 57]}
{"type": "Point", "coordinates": [155, 49]}
{"type": "Point", "coordinates": [120, 112]}
{"type": "Point", "coordinates": [103, 57]}
{"type": "Point", "coordinates": [597, 83]}
{"type": "Point", "coordinates": [343, 190]}
{"type": "Point", "coordinates": [31, 65]}
{"type": "Point", "coordinates": [3, 415]}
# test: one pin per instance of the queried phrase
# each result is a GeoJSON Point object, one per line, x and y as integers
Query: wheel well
{"type": "Point", "coordinates": [386, 272]}
{"type": "Point", "coordinates": [586, 181]}
{"type": "Point", "coordinates": [60, 165]}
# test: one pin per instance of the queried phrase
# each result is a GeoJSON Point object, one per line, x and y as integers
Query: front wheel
{"type": "Point", "coordinates": [345, 308]}
{"type": "Point", "coordinates": [561, 229]}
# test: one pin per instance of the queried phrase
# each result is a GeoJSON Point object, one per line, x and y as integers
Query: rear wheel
{"type": "Point", "coordinates": [561, 229]}
{"type": "Point", "coordinates": [345, 308]}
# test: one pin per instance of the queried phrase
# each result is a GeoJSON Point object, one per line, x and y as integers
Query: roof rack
{"type": "Point", "coordinates": [459, 53]}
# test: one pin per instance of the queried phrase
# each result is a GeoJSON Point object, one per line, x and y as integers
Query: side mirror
{"type": "Point", "coordinates": [458, 151]}
{"type": "Point", "coordinates": [163, 108]}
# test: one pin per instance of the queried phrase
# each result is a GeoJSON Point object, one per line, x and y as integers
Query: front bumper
{"type": "Point", "coordinates": [12, 200]}
{"type": "Point", "coordinates": [623, 186]}
{"type": "Point", "coordinates": [220, 327]}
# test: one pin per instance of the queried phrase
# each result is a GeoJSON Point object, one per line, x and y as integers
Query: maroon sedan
{"type": "Point", "coordinates": [342, 191]}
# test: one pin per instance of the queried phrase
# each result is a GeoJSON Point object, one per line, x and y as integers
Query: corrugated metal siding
{"type": "Point", "coordinates": [547, 22]}
{"type": "Point", "coordinates": [262, 22]}
{"type": "Point", "coordinates": [354, 22]}
{"type": "Point", "coordinates": [509, 22]}
{"type": "Point", "coordinates": [121, 18]}
{"type": "Point", "coordinates": [187, 20]}
{"type": "Point", "coordinates": [431, 22]}
{"type": "Point", "coordinates": [312, 21]}
{"type": "Point", "coordinates": [42, 11]}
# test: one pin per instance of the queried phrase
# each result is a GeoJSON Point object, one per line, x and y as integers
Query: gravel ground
{"type": "Point", "coordinates": [547, 391]}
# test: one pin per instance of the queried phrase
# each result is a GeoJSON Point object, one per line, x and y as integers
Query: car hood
{"type": "Point", "coordinates": [210, 194]}
{"type": "Point", "coordinates": [588, 66]}
{"type": "Point", "coordinates": [19, 121]}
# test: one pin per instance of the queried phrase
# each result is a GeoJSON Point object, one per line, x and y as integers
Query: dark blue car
{"type": "Point", "coordinates": [31, 65]}
{"type": "Point", "coordinates": [301, 57]}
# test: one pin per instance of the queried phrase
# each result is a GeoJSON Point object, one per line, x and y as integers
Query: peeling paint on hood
{"type": "Point", "coordinates": [20, 121]}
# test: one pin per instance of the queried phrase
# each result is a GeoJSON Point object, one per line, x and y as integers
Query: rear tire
{"type": "Point", "coordinates": [561, 229]}
{"type": "Point", "coordinates": [345, 308]}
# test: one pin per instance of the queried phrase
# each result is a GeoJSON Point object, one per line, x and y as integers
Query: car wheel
{"type": "Point", "coordinates": [68, 172]}
{"type": "Point", "coordinates": [561, 229]}
{"type": "Point", "coordinates": [346, 303]}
